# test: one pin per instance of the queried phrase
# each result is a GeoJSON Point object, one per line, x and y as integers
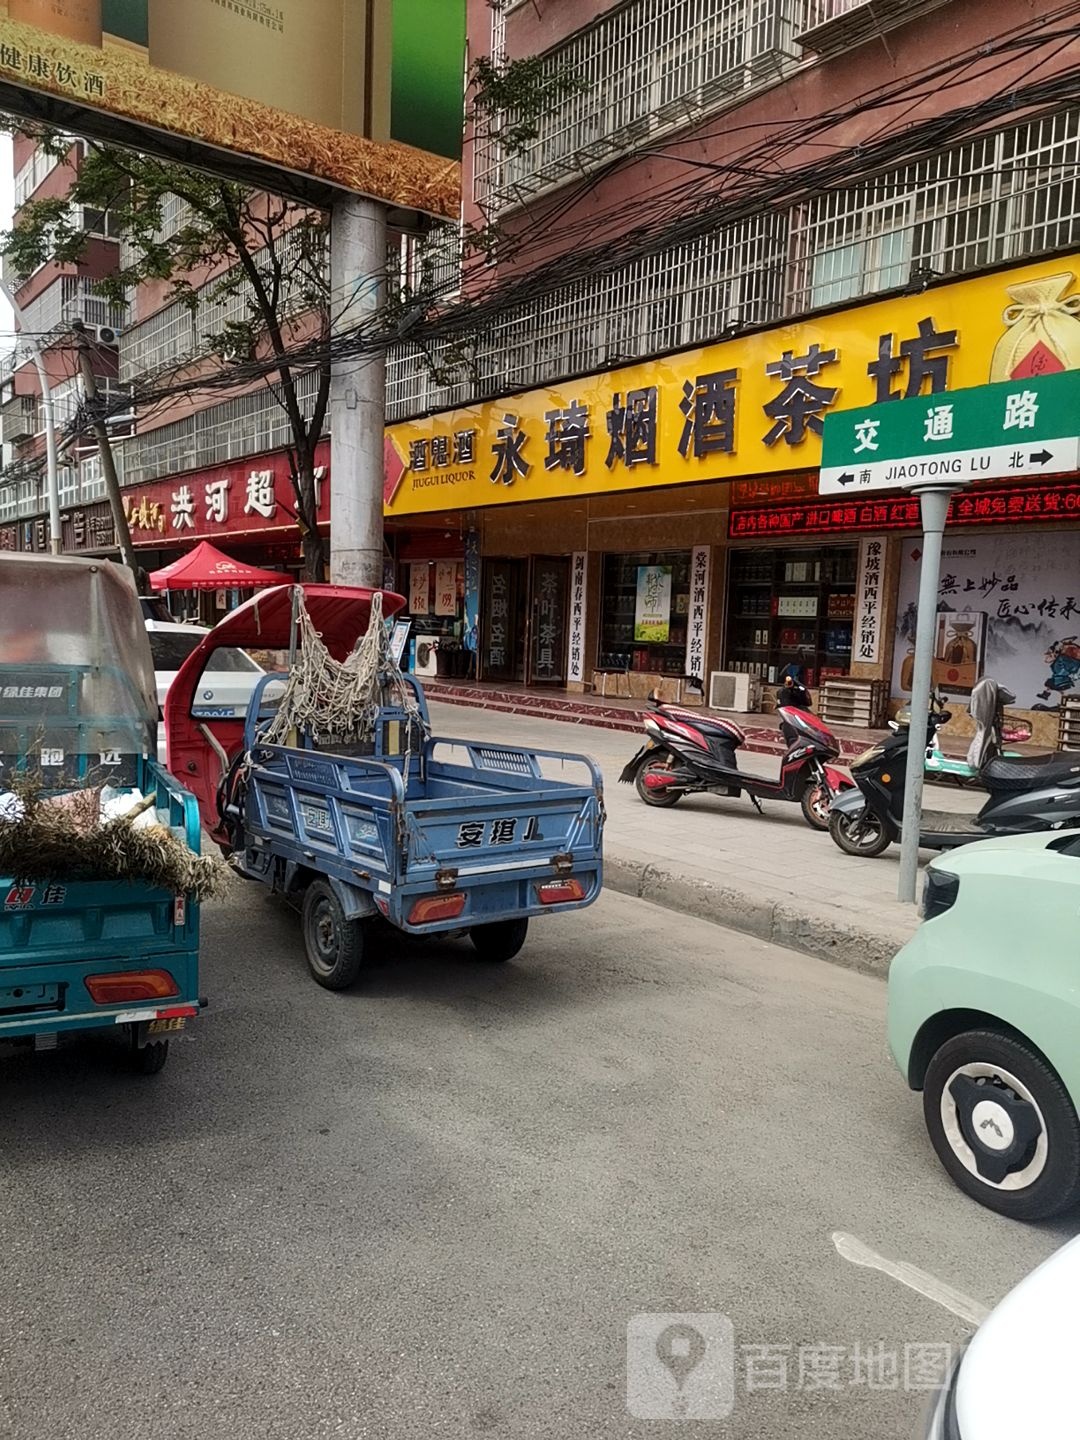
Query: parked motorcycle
{"type": "Point", "coordinates": [993, 729]}
{"type": "Point", "coordinates": [1026, 795]}
{"type": "Point", "coordinates": [692, 752]}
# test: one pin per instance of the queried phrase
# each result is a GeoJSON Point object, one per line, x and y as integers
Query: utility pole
{"type": "Point", "coordinates": [51, 481]}
{"type": "Point", "coordinates": [108, 464]}
{"type": "Point", "coordinates": [934, 506]}
{"type": "Point", "coordinates": [357, 396]}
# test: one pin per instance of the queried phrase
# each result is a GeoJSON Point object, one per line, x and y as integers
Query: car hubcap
{"type": "Point", "coordinates": [994, 1126]}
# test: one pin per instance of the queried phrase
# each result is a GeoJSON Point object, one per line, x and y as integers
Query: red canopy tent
{"type": "Point", "coordinates": [205, 568]}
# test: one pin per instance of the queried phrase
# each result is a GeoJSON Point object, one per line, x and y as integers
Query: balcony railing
{"type": "Point", "coordinates": [644, 69]}
{"type": "Point", "coordinates": [20, 419]}
{"type": "Point", "coordinates": [833, 26]}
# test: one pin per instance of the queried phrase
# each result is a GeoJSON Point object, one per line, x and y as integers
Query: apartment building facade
{"type": "Point", "coordinates": [50, 301]}
{"type": "Point", "coordinates": [745, 214]}
{"type": "Point", "coordinates": [749, 216]}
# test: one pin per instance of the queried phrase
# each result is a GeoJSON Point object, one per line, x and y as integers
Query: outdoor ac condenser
{"type": "Point", "coordinates": [733, 690]}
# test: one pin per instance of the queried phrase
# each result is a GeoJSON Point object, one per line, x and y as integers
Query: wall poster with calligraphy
{"type": "Point", "coordinates": [446, 587]}
{"type": "Point", "coordinates": [419, 583]}
{"type": "Point", "coordinates": [866, 639]}
{"type": "Point", "coordinates": [697, 617]}
{"type": "Point", "coordinates": [575, 669]}
{"type": "Point", "coordinates": [652, 612]}
{"type": "Point", "coordinates": [1008, 607]}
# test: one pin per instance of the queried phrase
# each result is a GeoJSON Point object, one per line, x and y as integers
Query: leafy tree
{"type": "Point", "coordinates": [259, 260]}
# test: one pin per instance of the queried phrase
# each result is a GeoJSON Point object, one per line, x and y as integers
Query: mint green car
{"type": "Point", "coordinates": [984, 1019]}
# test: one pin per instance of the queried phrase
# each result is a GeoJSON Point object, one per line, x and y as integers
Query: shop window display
{"type": "Point", "coordinates": [646, 603]}
{"type": "Point", "coordinates": [792, 608]}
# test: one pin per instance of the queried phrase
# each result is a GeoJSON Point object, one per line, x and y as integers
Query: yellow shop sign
{"type": "Point", "coordinates": [750, 406]}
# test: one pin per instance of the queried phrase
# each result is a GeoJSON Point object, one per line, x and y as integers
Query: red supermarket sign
{"type": "Point", "coordinates": [252, 494]}
{"type": "Point", "coordinates": [1002, 505]}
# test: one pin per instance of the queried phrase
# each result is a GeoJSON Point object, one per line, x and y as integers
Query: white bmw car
{"type": "Point", "coordinates": [227, 681]}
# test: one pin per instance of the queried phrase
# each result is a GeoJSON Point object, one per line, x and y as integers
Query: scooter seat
{"type": "Point", "coordinates": [707, 723]}
{"type": "Point", "coordinates": [1004, 774]}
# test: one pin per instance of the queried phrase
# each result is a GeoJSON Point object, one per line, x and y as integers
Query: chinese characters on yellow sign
{"type": "Point", "coordinates": [745, 407]}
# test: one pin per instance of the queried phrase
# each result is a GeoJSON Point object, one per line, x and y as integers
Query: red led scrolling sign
{"type": "Point", "coordinates": [1005, 504]}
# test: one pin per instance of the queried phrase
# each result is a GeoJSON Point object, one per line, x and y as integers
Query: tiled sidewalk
{"type": "Point", "coordinates": [769, 875]}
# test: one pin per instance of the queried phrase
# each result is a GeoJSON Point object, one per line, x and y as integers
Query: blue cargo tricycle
{"type": "Point", "coordinates": [78, 712]}
{"type": "Point", "coordinates": [434, 836]}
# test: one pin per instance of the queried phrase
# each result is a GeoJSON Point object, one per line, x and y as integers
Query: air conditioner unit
{"type": "Point", "coordinates": [104, 334]}
{"type": "Point", "coordinates": [734, 690]}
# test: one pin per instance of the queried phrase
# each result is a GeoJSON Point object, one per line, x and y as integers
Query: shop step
{"type": "Point", "coordinates": [573, 710]}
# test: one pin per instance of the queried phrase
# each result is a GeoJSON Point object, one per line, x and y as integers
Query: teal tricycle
{"type": "Point", "coordinates": [78, 723]}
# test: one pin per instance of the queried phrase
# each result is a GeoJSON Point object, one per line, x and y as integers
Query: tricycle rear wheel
{"type": "Point", "coordinates": [333, 944]}
{"type": "Point", "coordinates": [499, 942]}
{"type": "Point", "coordinates": [150, 1058]}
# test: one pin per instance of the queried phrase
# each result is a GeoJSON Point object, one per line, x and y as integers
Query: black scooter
{"type": "Point", "coordinates": [1026, 795]}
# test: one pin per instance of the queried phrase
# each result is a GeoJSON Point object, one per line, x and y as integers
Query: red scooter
{"type": "Point", "coordinates": [692, 752]}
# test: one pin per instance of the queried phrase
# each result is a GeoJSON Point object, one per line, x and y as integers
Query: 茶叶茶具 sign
{"type": "Point", "coordinates": [1014, 428]}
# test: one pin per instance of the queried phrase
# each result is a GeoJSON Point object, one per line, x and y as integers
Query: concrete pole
{"type": "Point", "coordinates": [108, 463]}
{"type": "Point", "coordinates": [357, 395]}
{"type": "Point", "coordinates": [52, 482]}
{"type": "Point", "coordinates": [934, 503]}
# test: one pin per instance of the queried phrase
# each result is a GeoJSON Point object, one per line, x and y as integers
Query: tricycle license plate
{"type": "Point", "coordinates": [166, 1027]}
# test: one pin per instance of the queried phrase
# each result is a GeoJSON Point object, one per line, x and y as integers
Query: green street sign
{"type": "Point", "coordinates": [1015, 428]}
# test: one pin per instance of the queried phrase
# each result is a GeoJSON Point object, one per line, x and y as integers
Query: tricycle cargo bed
{"type": "Point", "coordinates": [57, 934]}
{"type": "Point", "coordinates": [489, 822]}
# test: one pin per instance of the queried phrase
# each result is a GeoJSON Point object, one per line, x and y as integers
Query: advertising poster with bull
{"type": "Point", "coordinates": [1008, 607]}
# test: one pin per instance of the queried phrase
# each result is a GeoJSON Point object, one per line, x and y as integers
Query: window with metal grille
{"type": "Point", "coordinates": [643, 68]}
{"type": "Point", "coordinates": [234, 430]}
{"type": "Point", "coordinates": [177, 332]}
{"type": "Point", "coordinates": [68, 299]}
{"type": "Point", "coordinates": [1004, 196]}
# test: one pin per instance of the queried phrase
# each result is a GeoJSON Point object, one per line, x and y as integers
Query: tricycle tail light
{"type": "Point", "coordinates": [121, 987]}
{"type": "Point", "coordinates": [560, 892]}
{"type": "Point", "coordinates": [940, 890]}
{"type": "Point", "coordinates": [430, 908]}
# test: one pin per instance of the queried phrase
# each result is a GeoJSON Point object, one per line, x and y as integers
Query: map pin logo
{"type": "Point", "coordinates": [681, 1349]}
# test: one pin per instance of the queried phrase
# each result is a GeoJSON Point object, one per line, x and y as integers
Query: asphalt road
{"type": "Point", "coordinates": [432, 1206]}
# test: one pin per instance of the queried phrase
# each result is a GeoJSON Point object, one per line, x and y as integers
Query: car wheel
{"type": "Point", "coordinates": [333, 944]}
{"type": "Point", "coordinates": [861, 834]}
{"type": "Point", "coordinates": [1003, 1125]}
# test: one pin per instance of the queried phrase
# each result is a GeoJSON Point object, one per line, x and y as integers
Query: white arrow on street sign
{"type": "Point", "coordinates": [958, 467]}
